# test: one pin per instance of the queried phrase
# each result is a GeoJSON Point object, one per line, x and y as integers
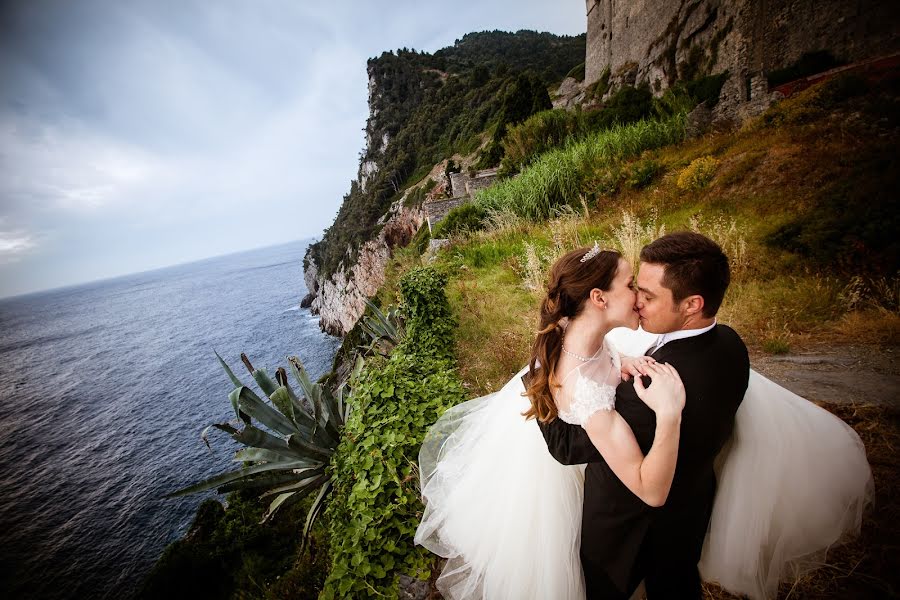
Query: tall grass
{"type": "Point", "coordinates": [557, 177]}
{"type": "Point", "coordinates": [631, 235]}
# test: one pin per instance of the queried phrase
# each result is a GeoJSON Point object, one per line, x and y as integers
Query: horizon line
{"type": "Point", "coordinates": [66, 286]}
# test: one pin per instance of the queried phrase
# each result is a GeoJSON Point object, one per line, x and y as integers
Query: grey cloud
{"type": "Point", "coordinates": [135, 134]}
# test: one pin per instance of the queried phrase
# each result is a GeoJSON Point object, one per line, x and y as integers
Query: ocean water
{"type": "Point", "coordinates": [104, 390]}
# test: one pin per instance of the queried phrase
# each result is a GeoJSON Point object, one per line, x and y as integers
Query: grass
{"type": "Point", "coordinates": [558, 176]}
{"type": "Point", "coordinates": [781, 170]}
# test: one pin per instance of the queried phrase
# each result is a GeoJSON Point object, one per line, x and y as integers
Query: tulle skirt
{"type": "Point", "coordinates": [793, 481]}
{"type": "Point", "coordinates": [504, 513]}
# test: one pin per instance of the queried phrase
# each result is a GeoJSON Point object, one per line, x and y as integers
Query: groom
{"type": "Point", "coordinates": [681, 283]}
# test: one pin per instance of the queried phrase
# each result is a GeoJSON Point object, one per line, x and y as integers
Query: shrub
{"type": "Point", "coordinates": [698, 174]}
{"type": "Point", "coordinates": [628, 105]}
{"type": "Point", "coordinates": [468, 217]}
{"type": "Point", "coordinates": [641, 173]}
{"type": "Point", "coordinates": [536, 135]}
{"type": "Point", "coordinates": [376, 506]}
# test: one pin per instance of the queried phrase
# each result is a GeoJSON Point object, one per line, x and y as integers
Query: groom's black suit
{"type": "Point", "coordinates": [624, 540]}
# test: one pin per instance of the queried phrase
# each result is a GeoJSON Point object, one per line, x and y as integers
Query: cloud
{"type": "Point", "coordinates": [140, 134]}
{"type": "Point", "coordinates": [13, 244]}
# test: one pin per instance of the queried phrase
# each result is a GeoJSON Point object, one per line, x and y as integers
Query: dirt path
{"type": "Point", "coordinates": [840, 374]}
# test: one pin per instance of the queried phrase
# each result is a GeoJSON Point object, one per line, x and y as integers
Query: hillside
{"type": "Point", "coordinates": [424, 108]}
{"type": "Point", "coordinates": [803, 199]}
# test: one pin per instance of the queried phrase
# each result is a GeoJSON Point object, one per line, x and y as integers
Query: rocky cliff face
{"type": "Point", "coordinates": [661, 41]}
{"type": "Point", "coordinates": [340, 300]}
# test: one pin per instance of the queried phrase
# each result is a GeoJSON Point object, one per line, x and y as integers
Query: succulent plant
{"type": "Point", "coordinates": [287, 444]}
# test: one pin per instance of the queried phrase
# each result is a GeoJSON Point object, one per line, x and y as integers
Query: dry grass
{"type": "Point", "coordinates": [497, 320]}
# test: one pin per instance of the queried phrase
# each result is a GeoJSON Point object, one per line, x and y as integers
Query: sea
{"type": "Point", "coordinates": [104, 391]}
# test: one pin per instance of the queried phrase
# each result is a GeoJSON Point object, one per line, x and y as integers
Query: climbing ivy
{"type": "Point", "coordinates": [376, 506]}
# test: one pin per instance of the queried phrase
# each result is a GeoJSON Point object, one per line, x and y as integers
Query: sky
{"type": "Point", "coordinates": [140, 134]}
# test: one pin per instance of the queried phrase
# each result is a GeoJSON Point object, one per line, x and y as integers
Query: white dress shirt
{"type": "Point", "coordinates": [680, 334]}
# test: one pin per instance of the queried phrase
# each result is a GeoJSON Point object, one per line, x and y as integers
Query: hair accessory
{"type": "Point", "coordinates": [591, 253]}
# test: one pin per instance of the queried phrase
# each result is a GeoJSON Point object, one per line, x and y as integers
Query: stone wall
{"type": "Point", "coordinates": [481, 180]}
{"type": "Point", "coordinates": [660, 41]}
{"type": "Point", "coordinates": [462, 188]}
{"type": "Point", "coordinates": [435, 210]}
{"type": "Point", "coordinates": [458, 184]}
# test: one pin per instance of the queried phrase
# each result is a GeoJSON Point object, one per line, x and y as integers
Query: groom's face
{"type": "Point", "coordinates": [655, 304]}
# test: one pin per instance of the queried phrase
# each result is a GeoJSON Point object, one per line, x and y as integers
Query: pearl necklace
{"type": "Point", "coordinates": [578, 356]}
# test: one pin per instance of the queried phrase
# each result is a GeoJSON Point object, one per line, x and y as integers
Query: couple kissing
{"type": "Point", "coordinates": [598, 474]}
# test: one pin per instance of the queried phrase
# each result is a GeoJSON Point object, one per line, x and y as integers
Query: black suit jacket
{"type": "Point", "coordinates": [617, 526]}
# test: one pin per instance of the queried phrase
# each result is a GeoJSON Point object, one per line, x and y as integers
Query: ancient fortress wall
{"type": "Point", "coordinates": [661, 41]}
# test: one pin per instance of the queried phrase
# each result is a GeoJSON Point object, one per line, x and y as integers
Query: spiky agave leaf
{"type": "Point", "coordinates": [318, 396]}
{"type": "Point", "coordinates": [231, 375]}
{"type": "Point", "coordinates": [312, 480]}
{"type": "Point", "coordinates": [295, 495]}
{"type": "Point", "coordinates": [265, 383]}
{"type": "Point", "coordinates": [223, 478]}
{"type": "Point", "coordinates": [291, 460]}
{"type": "Point", "coordinates": [253, 405]}
{"type": "Point", "coordinates": [381, 325]}
{"type": "Point", "coordinates": [262, 480]}
{"type": "Point", "coordinates": [314, 510]}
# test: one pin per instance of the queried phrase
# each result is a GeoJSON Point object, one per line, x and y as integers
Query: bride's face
{"type": "Point", "coordinates": [621, 298]}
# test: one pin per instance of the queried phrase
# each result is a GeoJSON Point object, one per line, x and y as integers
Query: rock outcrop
{"type": "Point", "coordinates": [658, 42]}
{"type": "Point", "coordinates": [340, 300]}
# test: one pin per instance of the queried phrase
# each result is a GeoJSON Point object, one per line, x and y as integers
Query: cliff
{"type": "Point", "coordinates": [423, 109]}
{"type": "Point", "coordinates": [659, 42]}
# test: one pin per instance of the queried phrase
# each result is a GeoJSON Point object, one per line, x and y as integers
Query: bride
{"type": "Point", "coordinates": [507, 516]}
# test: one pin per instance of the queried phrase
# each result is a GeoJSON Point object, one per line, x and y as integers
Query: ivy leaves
{"type": "Point", "coordinates": [376, 505]}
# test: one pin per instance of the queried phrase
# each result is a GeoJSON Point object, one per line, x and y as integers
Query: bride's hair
{"type": "Point", "coordinates": [570, 284]}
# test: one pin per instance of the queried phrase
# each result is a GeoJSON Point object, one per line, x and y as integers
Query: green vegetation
{"type": "Point", "coordinates": [376, 505]}
{"type": "Point", "coordinates": [551, 129]}
{"type": "Point", "coordinates": [227, 554]}
{"type": "Point", "coordinates": [559, 177]}
{"type": "Point", "coordinates": [468, 217]}
{"type": "Point", "coordinates": [698, 174]}
{"type": "Point", "coordinates": [430, 106]}
{"type": "Point", "coordinates": [641, 173]}
{"type": "Point", "coordinates": [523, 97]}
{"type": "Point", "coordinates": [538, 134]}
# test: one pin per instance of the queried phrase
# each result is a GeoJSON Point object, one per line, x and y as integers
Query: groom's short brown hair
{"type": "Point", "coordinates": [694, 265]}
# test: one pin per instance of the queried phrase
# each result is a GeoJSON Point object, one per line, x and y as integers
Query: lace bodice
{"type": "Point", "coordinates": [590, 387]}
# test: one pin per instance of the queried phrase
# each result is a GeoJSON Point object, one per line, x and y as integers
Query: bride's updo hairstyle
{"type": "Point", "coordinates": [570, 284]}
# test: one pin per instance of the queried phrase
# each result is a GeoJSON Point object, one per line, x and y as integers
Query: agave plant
{"type": "Point", "coordinates": [384, 330]}
{"type": "Point", "coordinates": [288, 444]}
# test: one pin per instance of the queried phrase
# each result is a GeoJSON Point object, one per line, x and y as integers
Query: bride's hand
{"type": "Point", "coordinates": [632, 366]}
{"type": "Point", "coordinates": [665, 395]}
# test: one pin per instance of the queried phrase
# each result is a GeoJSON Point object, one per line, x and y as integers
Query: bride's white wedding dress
{"type": "Point", "coordinates": [793, 481]}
